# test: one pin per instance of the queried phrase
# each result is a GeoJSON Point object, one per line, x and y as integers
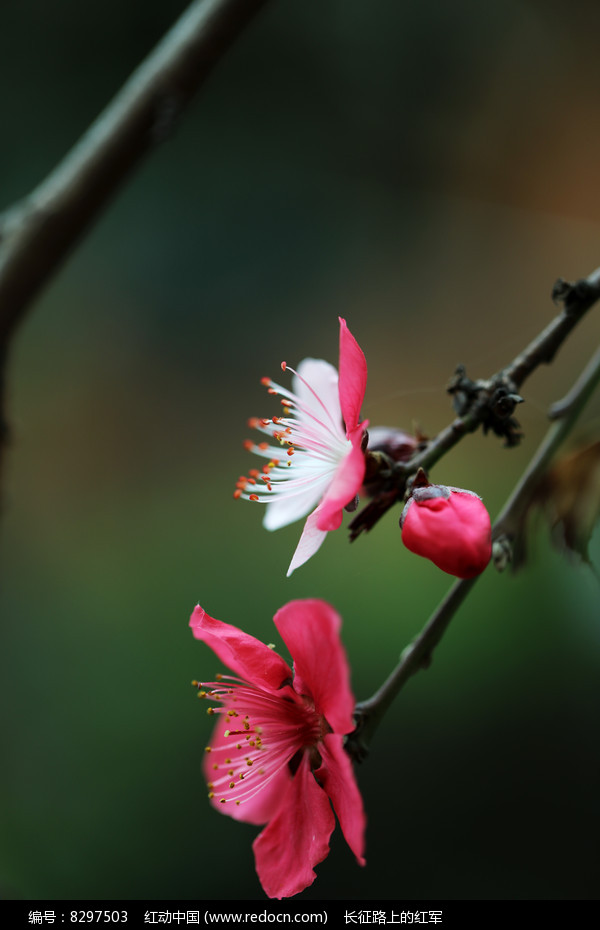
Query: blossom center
{"type": "Point", "coordinates": [260, 734]}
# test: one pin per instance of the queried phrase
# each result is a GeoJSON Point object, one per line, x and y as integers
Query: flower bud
{"type": "Point", "coordinates": [450, 526]}
{"type": "Point", "coordinates": [396, 443]}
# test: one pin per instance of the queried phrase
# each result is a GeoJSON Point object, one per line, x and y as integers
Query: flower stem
{"type": "Point", "coordinates": [418, 654]}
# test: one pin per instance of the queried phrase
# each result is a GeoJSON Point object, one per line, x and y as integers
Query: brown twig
{"type": "Point", "coordinates": [418, 654]}
{"type": "Point", "coordinates": [489, 403]}
{"type": "Point", "coordinates": [37, 233]}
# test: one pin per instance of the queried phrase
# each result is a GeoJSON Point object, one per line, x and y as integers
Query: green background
{"type": "Point", "coordinates": [427, 170]}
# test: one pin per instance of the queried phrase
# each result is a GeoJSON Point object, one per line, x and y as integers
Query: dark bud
{"type": "Point", "coordinates": [395, 443]}
{"type": "Point", "coordinates": [352, 505]}
{"type": "Point", "coordinates": [499, 418]}
{"type": "Point", "coordinates": [464, 391]}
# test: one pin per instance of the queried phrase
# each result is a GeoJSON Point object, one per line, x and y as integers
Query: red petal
{"type": "Point", "coordinates": [345, 485]}
{"type": "Point", "coordinates": [353, 377]}
{"type": "Point", "coordinates": [310, 630]}
{"type": "Point", "coordinates": [454, 532]}
{"type": "Point", "coordinates": [243, 654]}
{"type": "Point", "coordinates": [337, 777]}
{"type": "Point", "coordinates": [296, 839]}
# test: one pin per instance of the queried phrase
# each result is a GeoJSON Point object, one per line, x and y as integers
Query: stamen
{"type": "Point", "coordinates": [274, 727]}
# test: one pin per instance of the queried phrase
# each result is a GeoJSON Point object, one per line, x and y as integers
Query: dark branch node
{"type": "Point", "coordinates": [355, 745]}
{"type": "Point", "coordinates": [575, 296]}
{"type": "Point", "coordinates": [499, 417]}
{"type": "Point", "coordinates": [373, 512]}
{"type": "Point", "coordinates": [494, 402]}
{"type": "Point", "coordinates": [464, 391]}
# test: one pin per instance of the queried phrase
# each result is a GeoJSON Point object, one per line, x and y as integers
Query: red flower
{"type": "Point", "coordinates": [317, 465]}
{"type": "Point", "coordinates": [277, 754]}
{"type": "Point", "coordinates": [450, 526]}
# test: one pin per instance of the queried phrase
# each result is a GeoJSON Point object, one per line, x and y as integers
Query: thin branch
{"type": "Point", "coordinates": [577, 299]}
{"type": "Point", "coordinates": [416, 656]}
{"type": "Point", "coordinates": [489, 403]}
{"type": "Point", "coordinates": [585, 383]}
{"type": "Point", "coordinates": [568, 409]}
{"type": "Point", "coordinates": [37, 233]}
{"type": "Point", "coordinates": [419, 653]}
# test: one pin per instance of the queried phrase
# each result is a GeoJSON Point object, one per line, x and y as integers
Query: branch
{"type": "Point", "coordinates": [489, 403]}
{"type": "Point", "coordinates": [418, 655]}
{"type": "Point", "coordinates": [577, 299]}
{"type": "Point", "coordinates": [37, 233]}
{"type": "Point", "coordinates": [565, 412]}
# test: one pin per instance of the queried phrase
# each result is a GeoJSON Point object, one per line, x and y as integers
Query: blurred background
{"type": "Point", "coordinates": [427, 171]}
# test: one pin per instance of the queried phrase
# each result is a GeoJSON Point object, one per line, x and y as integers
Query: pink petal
{"type": "Point", "coordinates": [310, 630]}
{"type": "Point", "coordinates": [243, 654]}
{"type": "Point", "coordinates": [353, 377]}
{"type": "Point", "coordinates": [345, 486]}
{"type": "Point", "coordinates": [311, 540]}
{"type": "Point", "coordinates": [337, 777]}
{"type": "Point", "coordinates": [296, 839]}
{"type": "Point", "coordinates": [262, 806]}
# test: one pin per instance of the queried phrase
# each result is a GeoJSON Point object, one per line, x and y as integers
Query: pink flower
{"type": "Point", "coordinates": [318, 464]}
{"type": "Point", "coordinates": [277, 753]}
{"type": "Point", "coordinates": [450, 526]}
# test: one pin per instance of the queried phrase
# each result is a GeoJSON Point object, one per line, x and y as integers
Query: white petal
{"type": "Point", "coordinates": [285, 510]}
{"type": "Point", "coordinates": [311, 540]}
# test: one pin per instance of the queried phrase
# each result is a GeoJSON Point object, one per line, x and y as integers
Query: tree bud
{"type": "Point", "coordinates": [450, 526]}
